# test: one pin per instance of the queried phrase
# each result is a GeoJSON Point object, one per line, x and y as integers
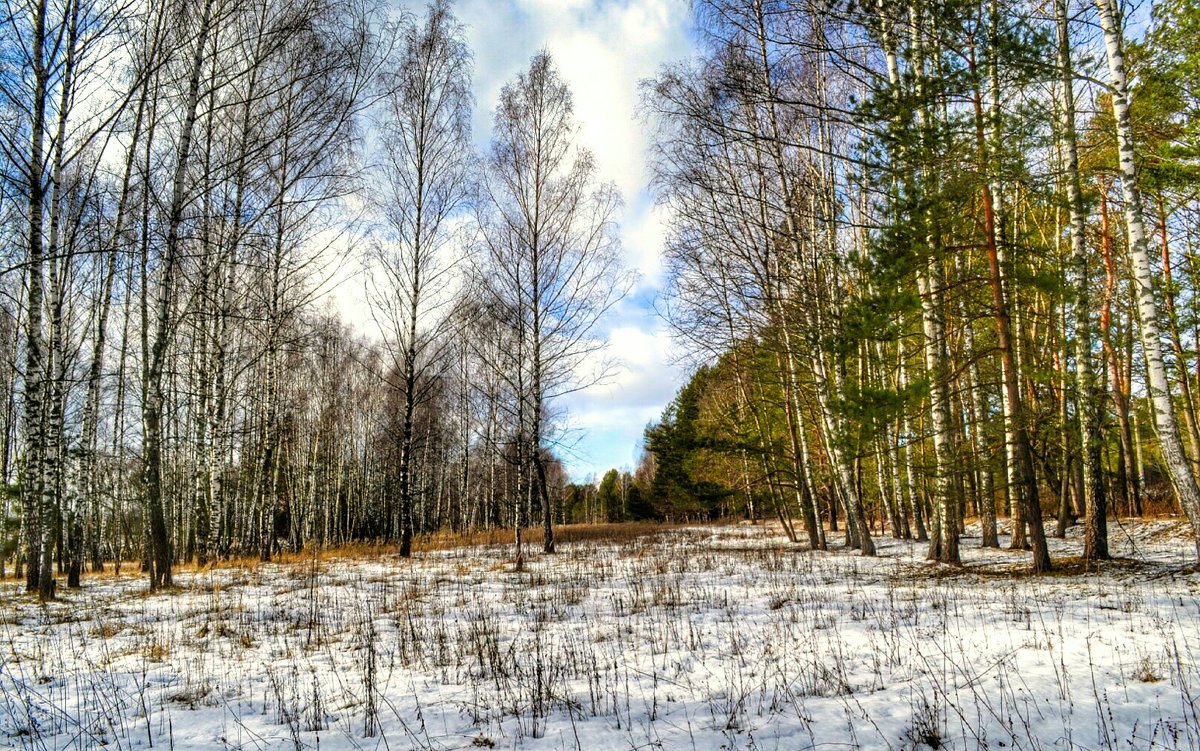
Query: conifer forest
{"type": "Point", "coordinates": [301, 302]}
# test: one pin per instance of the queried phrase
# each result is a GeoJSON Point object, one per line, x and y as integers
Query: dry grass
{"type": "Point", "coordinates": [566, 533]}
{"type": "Point", "coordinates": [251, 561]}
{"type": "Point", "coordinates": [639, 635]}
{"type": "Point", "coordinates": [445, 540]}
{"type": "Point", "coordinates": [1063, 566]}
{"type": "Point", "coordinates": [611, 533]}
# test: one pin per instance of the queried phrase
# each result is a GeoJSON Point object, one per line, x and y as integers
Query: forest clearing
{"type": "Point", "coordinates": [696, 637]}
{"type": "Point", "coordinates": [603, 374]}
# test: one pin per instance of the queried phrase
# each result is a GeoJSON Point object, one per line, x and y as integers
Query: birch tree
{"type": "Point", "coordinates": [1088, 410]}
{"type": "Point", "coordinates": [1182, 479]}
{"type": "Point", "coordinates": [59, 50]}
{"type": "Point", "coordinates": [552, 254]}
{"type": "Point", "coordinates": [426, 178]}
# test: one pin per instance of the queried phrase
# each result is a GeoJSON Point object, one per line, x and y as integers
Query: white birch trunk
{"type": "Point", "coordinates": [943, 538]}
{"type": "Point", "coordinates": [1094, 495]}
{"type": "Point", "coordinates": [1165, 423]}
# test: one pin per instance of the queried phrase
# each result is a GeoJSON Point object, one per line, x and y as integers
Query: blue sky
{"type": "Point", "coordinates": [603, 48]}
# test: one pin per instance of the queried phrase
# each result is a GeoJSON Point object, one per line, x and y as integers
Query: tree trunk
{"type": "Point", "coordinates": [1184, 482]}
{"type": "Point", "coordinates": [36, 503]}
{"type": "Point", "coordinates": [1087, 405]}
{"type": "Point", "coordinates": [1187, 405]}
{"type": "Point", "coordinates": [152, 414]}
{"type": "Point", "coordinates": [943, 542]}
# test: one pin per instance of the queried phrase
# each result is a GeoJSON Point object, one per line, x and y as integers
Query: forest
{"type": "Point", "coordinates": [933, 261]}
{"type": "Point", "coordinates": [930, 480]}
{"type": "Point", "coordinates": [181, 182]}
{"type": "Point", "coordinates": [936, 261]}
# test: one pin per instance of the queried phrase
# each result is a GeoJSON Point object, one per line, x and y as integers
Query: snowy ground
{"type": "Point", "coordinates": [707, 638]}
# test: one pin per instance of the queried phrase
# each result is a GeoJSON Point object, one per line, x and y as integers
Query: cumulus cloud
{"type": "Point", "coordinates": [606, 420]}
{"type": "Point", "coordinates": [603, 49]}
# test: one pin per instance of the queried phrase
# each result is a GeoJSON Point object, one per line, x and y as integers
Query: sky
{"type": "Point", "coordinates": [603, 49]}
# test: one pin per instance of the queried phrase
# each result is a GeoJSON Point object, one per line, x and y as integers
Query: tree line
{"type": "Point", "coordinates": [937, 260]}
{"type": "Point", "coordinates": [935, 255]}
{"type": "Point", "coordinates": [182, 183]}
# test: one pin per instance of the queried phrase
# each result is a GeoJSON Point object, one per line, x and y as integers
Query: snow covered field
{"type": "Point", "coordinates": [704, 638]}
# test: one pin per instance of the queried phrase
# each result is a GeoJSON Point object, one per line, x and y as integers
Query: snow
{"type": "Point", "coordinates": [700, 638]}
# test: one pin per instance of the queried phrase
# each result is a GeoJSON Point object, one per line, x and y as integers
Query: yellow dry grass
{"type": "Point", "coordinates": [445, 540]}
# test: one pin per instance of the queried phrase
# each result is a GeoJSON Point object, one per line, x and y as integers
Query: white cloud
{"type": "Point", "coordinates": [643, 233]}
{"type": "Point", "coordinates": [603, 49]}
{"type": "Point", "coordinates": [608, 418]}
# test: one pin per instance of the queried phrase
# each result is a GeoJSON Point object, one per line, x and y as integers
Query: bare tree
{"type": "Point", "coordinates": [551, 254]}
{"type": "Point", "coordinates": [60, 50]}
{"type": "Point", "coordinates": [426, 180]}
